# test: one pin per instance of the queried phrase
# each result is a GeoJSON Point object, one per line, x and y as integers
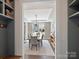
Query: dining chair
{"type": "Point", "coordinates": [29, 38]}
{"type": "Point", "coordinates": [41, 39]}
{"type": "Point", "coordinates": [34, 42]}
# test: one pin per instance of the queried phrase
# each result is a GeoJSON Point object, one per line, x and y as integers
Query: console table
{"type": "Point", "coordinates": [10, 57]}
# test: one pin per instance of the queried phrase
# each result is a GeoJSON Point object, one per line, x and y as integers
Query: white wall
{"type": "Point", "coordinates": [18, 28]}
{"type": "Point", "coordinates": [52, 18]}
{"type": "Point", "coordinates": [61, 28]}
{"type": "Point", "coordinates": [26, 30]}
{"type": "Point", "coordinates": [29, 28]}
{"type": "Point", "coordinates": [53, 26]}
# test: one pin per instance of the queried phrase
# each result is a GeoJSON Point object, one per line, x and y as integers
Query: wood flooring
{"type": "Point", "coordinates": [39, 57]}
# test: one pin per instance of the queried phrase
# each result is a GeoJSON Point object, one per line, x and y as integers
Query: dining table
{"type": "Point", "coordinates": [37, 35]}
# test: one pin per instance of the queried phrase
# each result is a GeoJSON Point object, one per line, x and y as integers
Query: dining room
{"type": "Point", "coordinates": [37, 40]}
{"type": "Point", "coordinates": [39, 28]}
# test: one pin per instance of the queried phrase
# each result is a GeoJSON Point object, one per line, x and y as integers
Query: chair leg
{"type": "Point", "coordinates": [31, 47]}
{"type": "Point", "coordinates": [36, 47]}
{"type": "Point", "coordinates": [29, 43]}
{"type": "Point", "coordinates": [41, 42]}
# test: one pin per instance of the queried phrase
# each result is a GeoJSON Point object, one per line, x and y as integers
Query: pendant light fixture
{"type": "Point", "coordinates": [36, 24]}
{"type": "Point", "coordinates": [36, 18]}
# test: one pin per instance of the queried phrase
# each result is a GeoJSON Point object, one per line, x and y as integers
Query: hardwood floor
{"type": "Point", "coordinates": [45, 49]}
{"type": "Point", "coordinates": [39, 57]}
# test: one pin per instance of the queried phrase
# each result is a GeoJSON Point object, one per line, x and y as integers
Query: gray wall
{"type": "Point", "coordinates": [73, 35]}
{"type": "Point", "coordinates": [73, 38]}
{"type": "Point", "coordinates": [3, 40]}
{"type": "Point", "coordinates": [47, 29]}
{"type": "Point", "coordinates": [10, 33]}
{"type": "Point", "coordinates": [7, 39]}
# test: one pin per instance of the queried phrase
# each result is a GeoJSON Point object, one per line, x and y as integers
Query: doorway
{"type": "Point", "coordinates": [39, 16]}
{"type": "Point", "coordinates": [61, 29]}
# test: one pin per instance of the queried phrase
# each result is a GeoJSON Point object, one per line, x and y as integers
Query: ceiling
{"type": "Point", "coordinates": [36, 0]}
{"type": "Point", "coordinates": [42, 8]}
